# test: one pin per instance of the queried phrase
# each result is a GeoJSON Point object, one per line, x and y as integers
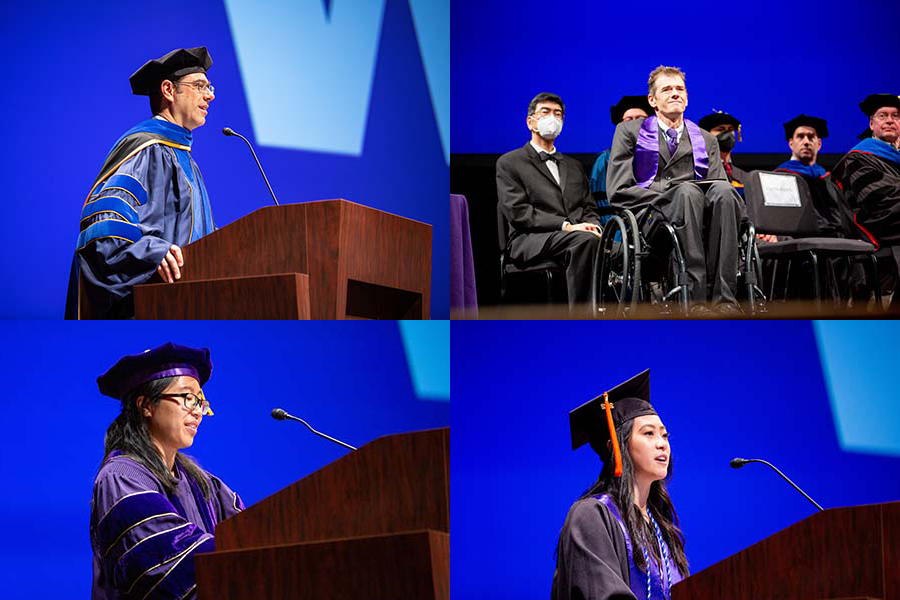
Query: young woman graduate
{"type": "Point", "coordinates": [153, 507]}
{"type": "Point", "coordinates": [621, 539]}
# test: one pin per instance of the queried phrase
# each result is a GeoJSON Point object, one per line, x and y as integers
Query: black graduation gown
{"type": "Point", "coordinates": [592, 559]}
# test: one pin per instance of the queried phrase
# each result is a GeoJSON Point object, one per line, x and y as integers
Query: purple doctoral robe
{"type": "Point", "coordinates": [144, 539]}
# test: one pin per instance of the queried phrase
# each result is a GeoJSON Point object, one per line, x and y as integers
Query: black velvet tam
{"type": "Point", "coordinates": [173, 65]}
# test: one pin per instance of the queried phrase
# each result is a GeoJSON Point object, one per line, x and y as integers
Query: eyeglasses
{"type": "Point", "coordinates": [883, 116]}
{"type": "Point", "coordinates": [201, 86]}
{"type": "Point", "coordinates": [191, 402]}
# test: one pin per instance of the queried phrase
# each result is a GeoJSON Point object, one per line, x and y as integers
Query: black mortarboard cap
{"type": "Point", "coordinates": [873, 102]}
{"type": "Point", "coordinates": [716, 118]}
{"type": "Point", "coordinates": [816, 123]}
{"type": "Point", "coordinates": [176, 63]}
{"type": "Point", "coordinates": [617, 110]}
{"type": "Point", "coordinates": [168, 360]}
{"type": "Point", "coordinates": [589, 422]}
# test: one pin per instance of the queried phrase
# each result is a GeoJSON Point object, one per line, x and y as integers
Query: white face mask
{"type": "Point", "coordinates": [548, 127]}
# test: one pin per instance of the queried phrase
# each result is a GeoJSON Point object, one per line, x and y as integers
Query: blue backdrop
{"type": "Point", "coordinates": [343, 99]}
{"type": "Point", "coordinates": [355, 381]}
{"type": "Point", "coordinates": [764, 62]}
{"type": "Point", "coordinates": [816, 399]}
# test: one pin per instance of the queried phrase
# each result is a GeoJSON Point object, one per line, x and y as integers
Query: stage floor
{"type": "Point", "coordinates": [773, 310]}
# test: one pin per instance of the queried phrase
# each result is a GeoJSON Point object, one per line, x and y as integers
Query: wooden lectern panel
{"type": "Point", "coordinates": [335, 243]}
{"type": "Point", "coordinates": [890, 543]}
{"type": "Point", "coordinates": [407, 565]}
{"type": "Point", "coordinates": [386, 236]}
{"type": "Point", "coordinates": [283, 296]}
{"type": "Point", "coordinates": [393, 484]}
{"type": "Point", "coordinates": [839, 553]}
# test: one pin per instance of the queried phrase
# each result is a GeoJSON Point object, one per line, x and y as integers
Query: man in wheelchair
{"type": "Point", "coordinates": [669, 166]}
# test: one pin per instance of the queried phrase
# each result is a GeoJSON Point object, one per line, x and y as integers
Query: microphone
{"type": "Point", "coordinates": [230, 131]}
{"type": "Point", "coordinates": [280, 415]}
{"type": "Point", "coordinates": [737, 463]}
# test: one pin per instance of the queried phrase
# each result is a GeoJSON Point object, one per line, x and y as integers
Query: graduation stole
{"type": "Point", "coordinates": [638, 577]}
{"type": "Point", "coordinates": [797, 167]}
{"type": "Point", "coordinates": [646, 152]}
{"type": "Point", "coordinates": [878, 148]}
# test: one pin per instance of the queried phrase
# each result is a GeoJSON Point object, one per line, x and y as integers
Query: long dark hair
{"type": "Point", "coordinates": [621, 489]}
{"type": "Point", "coordinates": [130, 434]}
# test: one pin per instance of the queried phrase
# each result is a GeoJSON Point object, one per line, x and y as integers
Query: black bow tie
{"type": "Point", "coordinates": [545, 156]}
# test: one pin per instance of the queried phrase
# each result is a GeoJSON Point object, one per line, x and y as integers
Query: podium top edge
{"type": "Point", "coordinates": [340, 201]}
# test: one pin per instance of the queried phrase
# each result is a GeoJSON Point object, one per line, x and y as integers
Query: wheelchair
{"type": "Point", "coordinates": [640, 263]}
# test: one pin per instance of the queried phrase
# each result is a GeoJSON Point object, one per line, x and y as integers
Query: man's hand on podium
{"type": "Point", "coordinates": [170, 267]}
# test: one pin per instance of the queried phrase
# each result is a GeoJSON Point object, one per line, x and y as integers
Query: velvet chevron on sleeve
{"type": "Point", "coordinates": [143, 538]}
{"type": "Point", "coordinates": [870, 178]}
{"type": "Point", "coordinates": [148, 196]}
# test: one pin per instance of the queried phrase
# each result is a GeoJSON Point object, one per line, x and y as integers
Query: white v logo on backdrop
{"type": "Point", "coordinates": [859, 362]}
{"type": "Point", "coordinates": [308, 75]}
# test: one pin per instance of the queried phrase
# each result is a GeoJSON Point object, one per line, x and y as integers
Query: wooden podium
{"type": "Point", "coordinates": [374, 524]}
{"type": "Point", "coordinates": [848, 553]}
{"type": "Point", "coordinates": [329, 259]}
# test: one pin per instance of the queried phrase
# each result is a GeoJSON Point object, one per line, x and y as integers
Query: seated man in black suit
{"type": "Point", "coordinates": [546, 199]}
{"type": "Point", "coordinates": [669, 162]}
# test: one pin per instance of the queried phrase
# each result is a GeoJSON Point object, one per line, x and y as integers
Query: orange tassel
{"type": "Point", "coordinates": [617, 453]}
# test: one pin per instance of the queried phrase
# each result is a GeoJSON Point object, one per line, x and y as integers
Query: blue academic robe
{"type": "Point", "coordinates": [598, 183]}
{"type": "Point", "coordinates": [144, 538]}
{"type": "Point", "coordinates": [149, 195]}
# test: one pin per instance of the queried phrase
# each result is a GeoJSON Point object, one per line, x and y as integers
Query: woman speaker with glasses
{"type": "Point", "coordinates": [153, 507]}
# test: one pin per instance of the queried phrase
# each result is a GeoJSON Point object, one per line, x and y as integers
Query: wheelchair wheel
{"type": "Point", "coordinates": [616, 270]}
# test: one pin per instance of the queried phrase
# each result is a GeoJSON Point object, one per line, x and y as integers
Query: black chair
{"type": "Point", "coordinates": [549, 276]}
{"type": "Point", "coordinates": [890, 255]}
{"type": "Point", "coordinates": [791, 213]}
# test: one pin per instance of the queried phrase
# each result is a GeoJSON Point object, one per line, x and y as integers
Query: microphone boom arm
{"type": "Point", "coordinates": [230, 131]}
{"type": "Point", "coordinates": [280, 415]}
{"type": "Point", "coordinates": [773, 467]}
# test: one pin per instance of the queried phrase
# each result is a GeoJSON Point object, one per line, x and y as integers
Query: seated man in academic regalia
{"type": "Point", "coordinates": [545, 197]}
{"type": "Point", "coordinates": [727, 130]}
{"type": "Point", "coordinates": [149, 199]}
{"type": "Point", "coordinates": [667, 161]}
{"type": "Point", "coordinates": [804, 135]}
{"type": "Point", "coordinates": [869, 176]}
{"type": "Point", "coordinates": [628, 108]}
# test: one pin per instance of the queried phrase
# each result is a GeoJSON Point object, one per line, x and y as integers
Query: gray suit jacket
{"type": "Point", "coordinates": [621, 185]}
{"type": "Point", "coordinates": [535, 205]}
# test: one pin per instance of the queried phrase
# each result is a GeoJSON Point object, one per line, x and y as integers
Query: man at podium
{"type": "Point", "coordinates": [153, 507]}
{"type": "Point", "coordinates": [149, 199]}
